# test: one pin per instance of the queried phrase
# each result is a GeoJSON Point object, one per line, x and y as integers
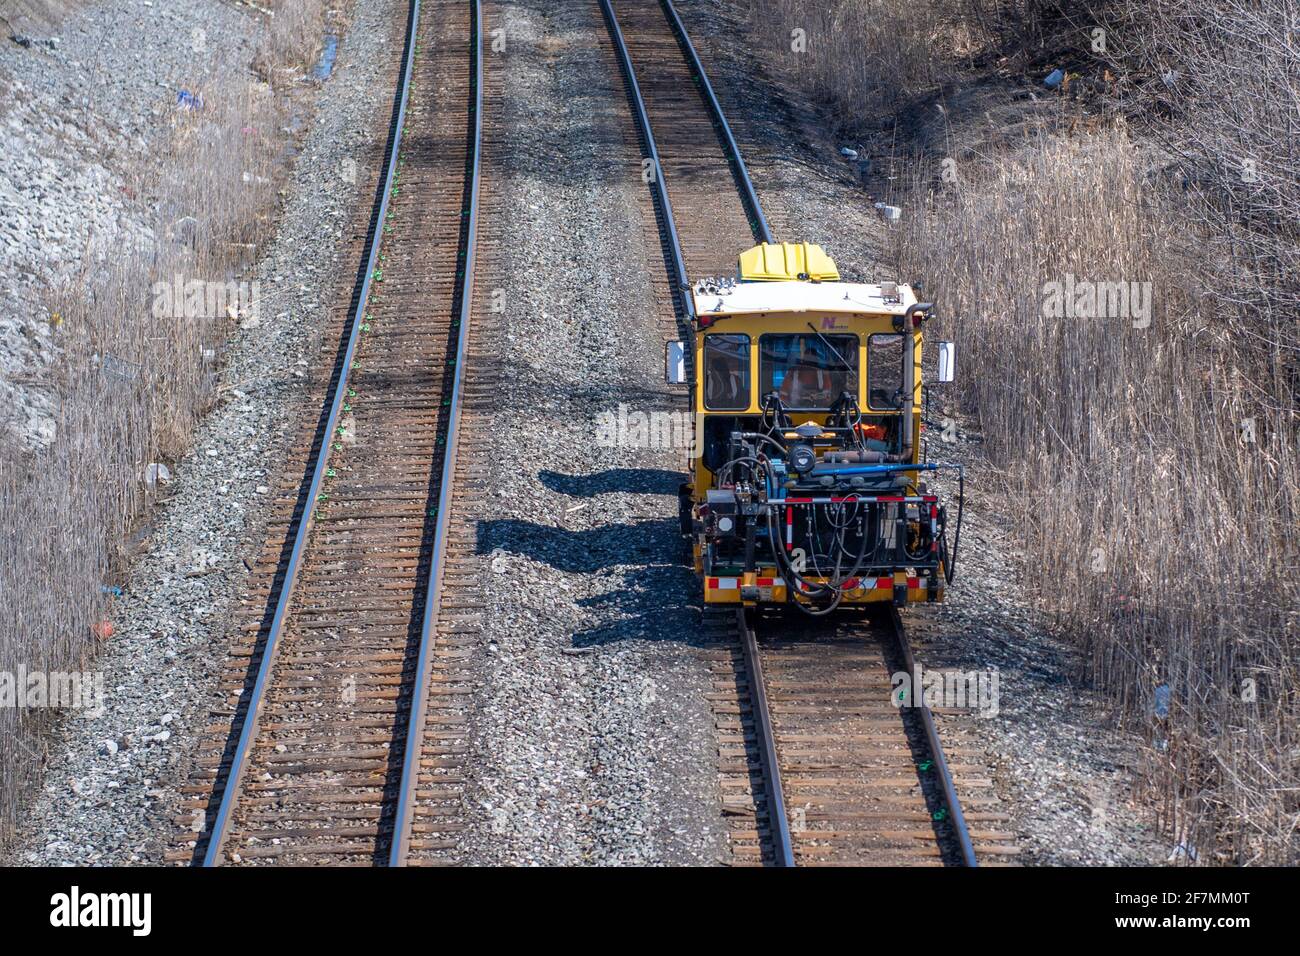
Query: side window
{"type": "Point", "coordinates": [885, 371]}
{"type": "Point", "coordinates": [726, 372]}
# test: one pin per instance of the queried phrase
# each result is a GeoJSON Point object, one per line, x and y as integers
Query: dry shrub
{"type": "Point", "coordinates": [1217, 83]}
{"type": "Point", "coordinates": [292, 40]}
{"type": "Point", "coordinates": [864, 59]}
{"type": "Point", "coordinates": [856, 56]}
{"type": "Point", "coordinates": [131, 381]}
{"type": "Point", "coordinates": [1154, 467]}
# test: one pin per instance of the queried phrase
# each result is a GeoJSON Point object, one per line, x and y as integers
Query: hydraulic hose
{"type": "Point", "coordinates": [950, 562]}
{"type": "Point", "coordinates": [835, 588]}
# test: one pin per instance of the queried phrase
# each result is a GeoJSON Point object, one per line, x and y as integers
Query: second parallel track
{"type": "Point", "coordinates": [321, 754]}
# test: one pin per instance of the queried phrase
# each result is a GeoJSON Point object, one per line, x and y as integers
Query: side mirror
{"type": "Point", "coordinates": [675, 363]}
{"type": "Point", "coordinates": [947, 361]}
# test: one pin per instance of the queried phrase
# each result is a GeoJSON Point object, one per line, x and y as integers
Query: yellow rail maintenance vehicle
{"type": "Point", "coordinates": [806, 462]}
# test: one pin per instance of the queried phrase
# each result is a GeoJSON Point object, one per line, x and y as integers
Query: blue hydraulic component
{"type": "Point", "coordinates": [835, 470]}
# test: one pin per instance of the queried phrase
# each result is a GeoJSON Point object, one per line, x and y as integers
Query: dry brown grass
{"type": "Point", "coordinates": [1155, 525]}
{"type": "Point", "coordinates": [1154, 470]}
{"type": "Point", "coordinates": [865, 59]}
{"type": "Point", "coordinates": [130, 387]}
{"type": "Point", "coordinates": [1218, 85]}
{"type": "Point", "coordinates": [822, 46]}
{"type": "Point", "coordinates": [292, 39]}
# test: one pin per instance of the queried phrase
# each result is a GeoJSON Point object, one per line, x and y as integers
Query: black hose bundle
{"type": "Point", "coordinates": [950, 559]}
{"type": "Point", "coordinates": [835, 587]}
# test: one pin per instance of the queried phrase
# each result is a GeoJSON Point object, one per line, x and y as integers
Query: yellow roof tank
{"type": "Point", "coordinates": [787, 261]}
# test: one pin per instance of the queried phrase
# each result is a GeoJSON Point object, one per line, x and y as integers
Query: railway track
{"type": "Point", "coordinates": [857, 779]}
{"type": "Point", "coordinates": [706, 205]}
{"type": "Point", "coordinates": [817, 765]}
{"type": "Point", "coordinates": [338, 737]}
{"type": "Point", "coordinates": [344, 718]}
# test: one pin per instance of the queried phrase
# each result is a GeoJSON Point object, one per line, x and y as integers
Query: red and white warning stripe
{"type": "Point", "coordinates": [732, 584]}
{"type": "Point", "coordinates": [868, 584]}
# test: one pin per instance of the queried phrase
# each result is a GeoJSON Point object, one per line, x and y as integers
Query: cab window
{"type": "Point", "coordinates": [885, 372]}
{"type": "Point", "coordinates": [808, 372]}
{"type": "Point", "coordinates": [726, 372]}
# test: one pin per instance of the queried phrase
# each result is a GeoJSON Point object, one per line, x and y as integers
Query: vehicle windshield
{"type": "Point", "coordinates": [809, 371]}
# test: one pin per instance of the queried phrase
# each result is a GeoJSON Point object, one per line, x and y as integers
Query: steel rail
{"type": "Point", "coordinates": [777, 821]}
{"type": "Point", "coordinates": [936, 749]}
{"type": "Point", "coordinates": [759, 222]}
{"type": "Point", "coordinates": [419, 692]}
{"type": "Point", "coordinates": [336, 395]}
{"type": "Point", "coordinates": [739, 169]}
{"type": "Point", "coordinates": [660, 190]}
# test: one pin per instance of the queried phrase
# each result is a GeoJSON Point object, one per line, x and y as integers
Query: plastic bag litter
{"type": "Point", "coordinates": [156, 473]}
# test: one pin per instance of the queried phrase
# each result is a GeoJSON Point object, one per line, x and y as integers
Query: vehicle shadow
{"type": "Point", "coordinates": [645, 481]}
{"type": "Point", "coordinates": [650, 542]}
{"type": "Point", "coordinates": [649, 591]}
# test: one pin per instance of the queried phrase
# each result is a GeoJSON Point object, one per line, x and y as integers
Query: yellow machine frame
{"type": "Point", "coordinates": [797, 273]}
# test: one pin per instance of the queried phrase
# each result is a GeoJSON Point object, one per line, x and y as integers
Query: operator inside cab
{"type": "Point", "coordinates": [809, 371]}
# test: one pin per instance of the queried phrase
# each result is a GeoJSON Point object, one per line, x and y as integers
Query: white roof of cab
{"type": "Point", "coordinates": [753, 297]}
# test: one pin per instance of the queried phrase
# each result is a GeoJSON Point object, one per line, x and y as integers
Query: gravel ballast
{"type": "Point", "coordinates": [593, 736]}
{"type": "Point", "coordinates": [592, 739]}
